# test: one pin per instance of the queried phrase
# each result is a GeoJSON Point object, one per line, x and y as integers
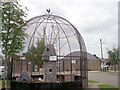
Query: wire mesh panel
{"type": "Point", "coordinates": [54, 51]}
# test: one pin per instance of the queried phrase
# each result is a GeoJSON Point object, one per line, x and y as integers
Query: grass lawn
{"type": "Point", "coordinates": [91, 81]}
{"type": "Point", "coordinates": [7, 82]}
{"type": "Point", "coordinates": [113, 72]}
{"type": "Point", "coordinates": [107, 87]}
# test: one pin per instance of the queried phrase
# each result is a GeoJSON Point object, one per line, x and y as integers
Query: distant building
{"type": "Point", "coordinates": [93, 63]}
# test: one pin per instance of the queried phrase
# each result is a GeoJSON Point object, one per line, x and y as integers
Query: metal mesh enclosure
{"type": "Point", "coordinates": [57, 31]}
{"type": "Point", "coordinates": [61, 40]}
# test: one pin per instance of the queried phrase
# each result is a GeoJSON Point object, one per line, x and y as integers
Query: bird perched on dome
{"type": "Point", "coordinates": [48, 11]}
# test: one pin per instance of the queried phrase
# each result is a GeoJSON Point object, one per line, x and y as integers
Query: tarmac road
{"type": "Point", "coordinates": [104, 77]}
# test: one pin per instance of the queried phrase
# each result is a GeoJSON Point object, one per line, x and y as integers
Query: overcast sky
{"type": "Point", "coordinates": [94, 19]}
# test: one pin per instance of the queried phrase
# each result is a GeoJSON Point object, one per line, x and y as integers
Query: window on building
{"type": "Point", "coordinates": [73, 61]}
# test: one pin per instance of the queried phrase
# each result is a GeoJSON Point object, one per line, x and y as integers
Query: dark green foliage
{"type": "Point", "coordinates": [13, 34]}
{"type": "Point", "coordinates": [108, 87]}
{"type": "Point", "coordinates": [0, 56]}
{"type": "Point", "coordinates": [35, 53]}
{"type": "Point", "coordinates": [113, 56]}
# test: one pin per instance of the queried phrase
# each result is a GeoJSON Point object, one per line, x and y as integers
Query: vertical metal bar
{"type": "Point", "coordinates": [21, 68]}
{"type": "Point", "coordinates": [81, 61]}
{"type": "Point", "coordinates": [71, 65]}
{"type": "Point", "coordinates": [14, 63]}
{"type": "Point", "coordinates": [27, 65]}
{"type": "Point", "coordinates": [59, 60]}
{"type": "Point", "coordinates": [11, 62]}
{"type": "Point", "coordinates": [5, 64]}
{"type": "Point", "coordinates": [31, 67]}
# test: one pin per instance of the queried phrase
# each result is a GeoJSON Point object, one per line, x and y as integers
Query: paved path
{"type": "Point", "coordinates": [104, 77]}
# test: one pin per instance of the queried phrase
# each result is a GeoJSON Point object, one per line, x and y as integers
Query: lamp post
{"type": "Point", "coordinates": [101, 48]}
{"type": "Point", "coordinates": [102, 67]}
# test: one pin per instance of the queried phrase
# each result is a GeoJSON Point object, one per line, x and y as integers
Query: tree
{"type": "Point", "coordinates": [0, 56]}
{"type": "Point", "coordinates": [13, 34]}
{"type": "Point", "coordinates": [113, 56]}
{"type": "Point", "coordinates": [39, 51]}
{"type": "Point", "coordinates": [35, 53]}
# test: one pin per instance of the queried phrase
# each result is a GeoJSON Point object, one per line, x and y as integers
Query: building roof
{"type": "Point", "coordinates": [77, 53]}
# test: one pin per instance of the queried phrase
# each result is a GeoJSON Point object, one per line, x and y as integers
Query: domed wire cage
{"type": "Point", "coordinates": [53, 40]}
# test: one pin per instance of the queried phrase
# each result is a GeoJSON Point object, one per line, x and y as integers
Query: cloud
{"type": "Point", "coordinates": [39, 7]}
{"type": "Point", "coordinates": [94, 19]}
